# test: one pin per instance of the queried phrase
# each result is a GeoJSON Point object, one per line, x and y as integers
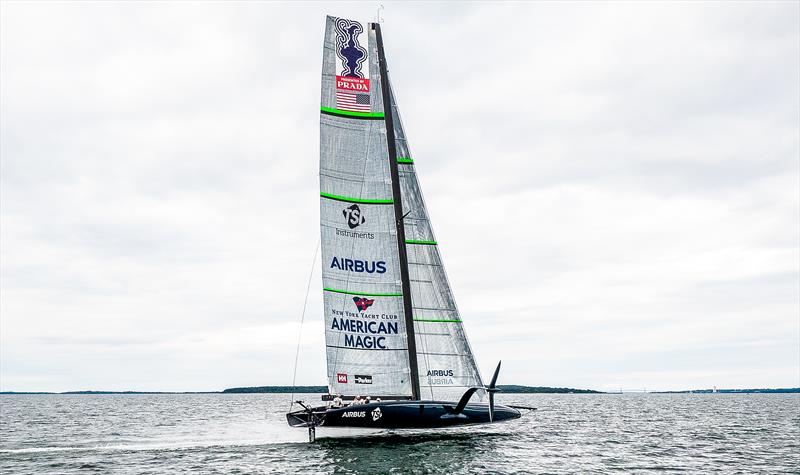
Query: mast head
{"type": "Point", "coordinates": [378, 16]}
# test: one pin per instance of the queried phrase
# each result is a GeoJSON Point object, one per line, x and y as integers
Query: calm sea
{"type": "Point", "coordinates": [247, 433]}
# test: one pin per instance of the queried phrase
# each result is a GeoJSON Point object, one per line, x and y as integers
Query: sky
{"type": "Point", "coordinates": [614, 187]}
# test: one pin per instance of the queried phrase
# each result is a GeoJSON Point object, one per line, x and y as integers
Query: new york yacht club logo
{"type": "Point", "coordinates": [362, 303]}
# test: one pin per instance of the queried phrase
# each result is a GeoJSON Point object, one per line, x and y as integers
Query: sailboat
{"type": "Point", "coordinates": [392, 329]}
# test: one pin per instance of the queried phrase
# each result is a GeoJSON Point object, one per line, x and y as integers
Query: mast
{"type": "Point", "coordinates": [398, 213]}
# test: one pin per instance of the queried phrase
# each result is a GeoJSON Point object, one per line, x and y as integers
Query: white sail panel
{"type": "Point", "coordinates": [365, 333]}
{"type": "Point", "coordinates": [446, 363]}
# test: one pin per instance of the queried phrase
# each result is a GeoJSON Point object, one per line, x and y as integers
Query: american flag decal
{"type": "Point", "coordinates": [352, 101]}
{"type": "Point", "coordinates": [352, 94]}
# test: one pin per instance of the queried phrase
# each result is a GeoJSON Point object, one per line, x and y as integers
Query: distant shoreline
{"type": "Point", "coordinates": [508, 389]}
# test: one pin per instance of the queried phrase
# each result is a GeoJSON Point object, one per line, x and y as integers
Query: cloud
{"type": "Point", "coordinates": [614, 187]}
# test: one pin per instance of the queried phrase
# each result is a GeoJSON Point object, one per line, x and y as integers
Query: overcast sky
{"type": "Point", "coordinates": [615, 189]}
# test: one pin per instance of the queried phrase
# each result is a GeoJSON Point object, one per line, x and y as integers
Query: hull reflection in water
{"type": "Point", "coordinates": [400, 414]}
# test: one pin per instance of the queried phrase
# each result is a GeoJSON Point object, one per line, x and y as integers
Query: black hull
{"type": "Point", "coordinates": [400, 415]}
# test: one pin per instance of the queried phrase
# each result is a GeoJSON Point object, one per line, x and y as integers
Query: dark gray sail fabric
{"type": "Point", "coordinates": [446, 363]}
{"type": "Point", "coordinates": [365, 334]}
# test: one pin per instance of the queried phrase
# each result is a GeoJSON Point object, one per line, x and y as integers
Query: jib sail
{"type": "Point", "coordinates": [445, 360]}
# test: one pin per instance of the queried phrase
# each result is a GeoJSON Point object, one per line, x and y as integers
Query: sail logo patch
{"type": "Point", "coordinates": [341, 378]}
{"type": "Point", "coordinates": [352, 73]}
{"type": "Point", "coordinates": [359, 266]}
{"type": "Point", "coordinates": [363, 304]}
{"type": "Point", "coordinates": [354, 234]}
{"type": "Point", "coordinates": [349, 49]}
{"type": "Point", "coordinates": [363, 379]}
{"type": "Point", "coordinates": [440, 377]}
{"type": "Point", "coordinates": [440, 372]}
{"type": "Point", "coordinates": [376, 414]}
{"type": "Point", "coordinates": [371, 333]}
{"type": "Point", "coordinates": [352, 94]}
{"type": "Point", "coordinates": [352, 214]}
{"type": "Point", "coordinates": [354, 218]}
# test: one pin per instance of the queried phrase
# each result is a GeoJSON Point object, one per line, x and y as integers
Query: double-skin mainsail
{"type": "Point", "coordinates": [392, 328]}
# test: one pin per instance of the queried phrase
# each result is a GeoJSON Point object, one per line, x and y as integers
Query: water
{"type": "Point", "coordinates": [247, 433]}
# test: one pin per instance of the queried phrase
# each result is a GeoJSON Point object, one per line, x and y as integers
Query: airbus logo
{"type": "Point", "coordinates": [355, 414]}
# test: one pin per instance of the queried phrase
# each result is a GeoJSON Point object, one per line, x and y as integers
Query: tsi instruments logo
{"type": "Point", "coordinates": [376, 414]}
{"type": "Point", "coordinates": [353, 216]}
{"type": "Point", "coordinates": [341, 378]}
{"type": "Point", "coordinates": [362, 303]}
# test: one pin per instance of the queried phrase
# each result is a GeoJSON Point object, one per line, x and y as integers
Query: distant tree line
{"type": "Point", "coordinates": [510, 388]}
{"type": "Point", "coordinates": [279, 389]}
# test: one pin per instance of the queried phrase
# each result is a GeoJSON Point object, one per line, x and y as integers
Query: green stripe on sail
{"type": "Point", "coordinates": [427, 243]}
{"type": "Point", "coordinates": [404, 160]}
{"type": "Point", "coordinates": [360, 293]}
{"type": "Point", "coordinates": [330, 110]}
{"type": "Point", "coordinates": [436, 321]}
{"type": "Point", "coordinates": [355, 200]}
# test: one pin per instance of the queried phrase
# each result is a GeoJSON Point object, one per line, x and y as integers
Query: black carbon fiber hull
{"type": "Point", "coordinates": [400, 415]}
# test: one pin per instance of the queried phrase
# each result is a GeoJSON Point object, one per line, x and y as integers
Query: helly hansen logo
{"type": "Point", "coordinates": [341, 378]}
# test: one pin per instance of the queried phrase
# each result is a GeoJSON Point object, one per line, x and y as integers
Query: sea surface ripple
{"type": "Point", "coordinates": [247, 433]}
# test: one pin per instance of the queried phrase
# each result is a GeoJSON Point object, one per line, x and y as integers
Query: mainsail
{"type": "Point", "coordinates": [391, 324]}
